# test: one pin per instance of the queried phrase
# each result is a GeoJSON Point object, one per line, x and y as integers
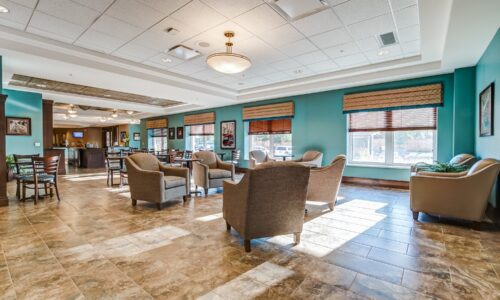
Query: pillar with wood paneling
{"type": "Point", "coordinates": [48, 118]}
{"type": "Point", "coordinates": [4, 201]}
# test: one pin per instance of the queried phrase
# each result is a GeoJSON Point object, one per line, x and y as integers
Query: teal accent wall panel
{"type": "Point", "coordinates": [464, 110]}
{"type": "Point", "coordinates": [134, 128]}
{"type": "Point", "coordinates": [320, 124]}
{"type": "Point", "coordinates": [25, 104]}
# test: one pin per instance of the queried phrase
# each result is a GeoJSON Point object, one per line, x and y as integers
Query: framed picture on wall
{"type": "Point", "coordinates": [123, 136]}
{"type": "Point", "coordinates": [137, 136]}
{"type": "Point", "coordinates": [171, 133]}
{"type": "Point", "coordinates": [18, 126]}
{"type": "Point", "coordinates": [486, 106]}
{"type": "Point", "coordinates": [180, 133]}
{"type": "Point", "coordinates": [228, 134]}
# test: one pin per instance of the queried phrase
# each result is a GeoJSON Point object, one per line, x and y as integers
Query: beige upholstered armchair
{"type": "Point", "coordinates": [459, 195]}
{"type": "Point", "coordinates": [210, 172]}
{"type": "Point", "coordinates": [269, 200]}
{"type": "Point", "coordinates": [151, 181]}
{"type": "Point", "coordinates": [258, 157]}
{"type": "Point", "coordinates": [324, 183]}
{"type": "Point", "coordinates": [311, 158]}
{"type": "Point", "coordinates": [460, 159]}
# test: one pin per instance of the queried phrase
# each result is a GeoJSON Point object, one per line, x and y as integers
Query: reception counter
{"type": "Point", "coordinates": [92, 157]}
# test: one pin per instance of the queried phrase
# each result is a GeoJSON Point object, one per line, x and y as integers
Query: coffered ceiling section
{"type": "Point", "coordinates": [285, 39]}
{"type": "Point", "coordinates": [76, 89]}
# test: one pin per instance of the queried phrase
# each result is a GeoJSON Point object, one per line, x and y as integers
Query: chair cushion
{"type": "Point", "coordinates": [41, 178]}
{"type": "Point", "coordinates": [174, 181]}
{"type": "Point", "coordinates": [218, 173]}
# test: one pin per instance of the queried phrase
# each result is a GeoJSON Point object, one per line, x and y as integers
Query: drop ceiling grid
{"type": "Point", "coordinates": [289, 46]}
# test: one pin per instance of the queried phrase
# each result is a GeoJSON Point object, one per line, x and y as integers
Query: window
{"type": "Point", "coordinates": [159, 139]}
{"type": "Point", "coordinates": [271, 136]}
{"type": "Point", "coordinates": [201, 137]}
{"type": "Point", "coordinates": [397, 137]}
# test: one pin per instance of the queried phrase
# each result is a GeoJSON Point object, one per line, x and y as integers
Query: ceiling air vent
{"type": "Point", "coordinates": [387, 39]}
{"type": "Point", "coordinates": [183, 52]}
{"type": "Point", "coordinates": [294, 10]}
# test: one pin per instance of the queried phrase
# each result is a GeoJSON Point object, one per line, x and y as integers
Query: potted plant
{"type": "Point", "coordinates": [442, 167]}
{"type": "Point", "coordinates": [10, 166]}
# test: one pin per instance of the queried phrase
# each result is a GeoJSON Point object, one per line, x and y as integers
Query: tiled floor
{"type": "Point", "coordinates": [95, 245]}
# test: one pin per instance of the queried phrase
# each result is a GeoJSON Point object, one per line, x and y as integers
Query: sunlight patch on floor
{"type": "Point", "coordinates": [209, 217]}
{"type": "Point", "coordinates": [87, 178]}
{"type": "Point", "coordinates": [84, 175]}
{"type": "Point", "coordinates": [251, 283]}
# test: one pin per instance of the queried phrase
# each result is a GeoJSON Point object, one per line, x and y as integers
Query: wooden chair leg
{"type": "Point", "coordinates": [158, 206]}
{"type": "Point", "coordinates": [57, 191]}
{"type": "Point", "coordinates": [206, 192]}
{"type": "Point", "coordinates": [36, 192]}
{"type": "Point", "coordinates": [415, 215]}
{"type": "Point", "coordinates": [296, 237]}
{"type": "Point", "coordinates": [18, 189]}
{"type": "Point", "coordinates": [45, 189]}
{"type": "Point", "coordinates": [330, 206]}
{"type": "Point", "coordinates": [248, 248]}
{"type": "Point", "coordinates": [24, 192]}
{"type": "Point", "coordinates": [228, 227]}
{"type": "Point", "coordinates": [107, 181]}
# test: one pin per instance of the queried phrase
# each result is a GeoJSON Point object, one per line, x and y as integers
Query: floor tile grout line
{"type": "Point", "coordinates": [8, 270]}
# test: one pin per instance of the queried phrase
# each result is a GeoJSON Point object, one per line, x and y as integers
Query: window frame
{"type": "Point", "coordinates": [389, 150]}
{"type": "Point", "coordinates": [271, 153]}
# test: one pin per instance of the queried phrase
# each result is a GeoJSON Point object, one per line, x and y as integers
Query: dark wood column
{"type": "Point", "coordinates": [48, 117]}
{"type": "Point", "coordinates": [4, 201]}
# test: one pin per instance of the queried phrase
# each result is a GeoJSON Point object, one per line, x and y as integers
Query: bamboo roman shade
{"type": "Point", "coordinates": [198, 119]}
{"type": "Point", "coordinates": [270, 111]}
{"type": "Point", "coordinates": [277, 126]}
{"type": "Point", "coordinates": [159, 123]}
{"type": "Point", "coordinates": [426, 95]}
{"type": "Point", "coordinates": [204, 129]}
{"type": "Point", "coordinates": [393, 120]}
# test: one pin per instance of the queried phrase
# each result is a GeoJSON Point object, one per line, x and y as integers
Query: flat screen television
{"type": "Point", "coordinates": [77, 134]}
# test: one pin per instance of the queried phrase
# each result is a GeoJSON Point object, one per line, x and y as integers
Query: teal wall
{"type": "Point", "coordinates": [488, 71]}
{"type": "Point", "coordinates": [25, 104]}
{"type": "Point", "coordinates": [133, 128]}
{"type": "Point", "coordinates": [464, 110]}
{"type": "Point", "coordinates": [320, 124]}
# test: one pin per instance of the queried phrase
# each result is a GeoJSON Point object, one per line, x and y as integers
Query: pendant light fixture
{"type": "Point", "coordinates": [228, 62]}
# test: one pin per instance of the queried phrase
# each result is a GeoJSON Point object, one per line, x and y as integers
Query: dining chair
{"type": "Point", "coordinates": [113, 165]}
{"type": "Point", "coordinates": [44, 175]}
{"type": "Point", "coordinates": [23, 168]}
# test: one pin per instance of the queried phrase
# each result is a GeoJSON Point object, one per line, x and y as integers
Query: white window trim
{"type": "Point", "coordinates": [271, 151]}
{"type": "Point", "coordinates": [389, 157]}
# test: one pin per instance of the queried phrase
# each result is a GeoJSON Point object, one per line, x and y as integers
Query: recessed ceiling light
{"type": "Point", "coordinates": [73, 115]}
{"type": "Point", "coordinates": [3, 9]}
{"type": "Point", "coordinates": [41, 85]}
{"type": "Point", "coordinates": [383, 52]}
{"type": "Point", "coordinates": [114, 114]}
{"type": "Point", "coordinates": [183, 52]}
{"type": "Point", "coordinates": [299, 71]}
{"type": "Point", "coordinates": [172, 31]}
{"type": "Point", "coordinates": [65, 117]}
{"type": "Point", "coordinates": [203, 44]}
{"type": "Point", "coordinates": [166, 60]}
{"type": "Point", "coordinates": [107, 95]}
{"type": "Point", "coordinates": [130, 112]}
{"type": "Point", "coordinates": [103, 119]}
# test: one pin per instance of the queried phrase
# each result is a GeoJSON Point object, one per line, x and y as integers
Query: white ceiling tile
{"type": "Point", "coordinates": [166, 7]}
{"type": "Point", "coordinates": [285, 65]}
{"type": "Point", "coordinates": [255, 81]}
{"type": "Point", "coordinates": [198, 15]}
{"type": "Point", "coordinates": [232, 8]}
{"type": "Point", "coordinates": [407, 17]}
{"type": "Point", "coordinates": [351, 60]}
{"type": "Point", "coordinates": [98, 41]}
{"type": "Point", "coordinates": [54, 28]}
{"type": "Point", "coordinates": [244, 75]}
{"type": "Point", "coordinates": [311, 57]}
{"type": "Point", "coordinates": [354, 11]}
{"type": "Point", "coordinates": [225, 79]}
{"type": "Point", "coordinates": [188, 68]}
{"type": "Point", "coordinates": [324, 66]}
{"type": "Point", "coordinates": [399, 4]}
{"type": "Point", "coordinates": [298, 48]}
{"type": "Point", "coordinates": [411, 48]}
{"type": "Point", "coordinates": [323, 21]}
{"type": "Point", "coordinates": [206, 74]}
{"type": "Point", "coordinates": [379, 25]}
{"type": "Point", "coordinates": [277, 76]}
{"type": "Point", "coordinates": [69, 11]}
{"type": "Point", "coordinates": [134, 52]}
{"type": "Point", "coordinates": [161, 58]}
{"type": "Point", "coordinates": [116, 28]}
{"type": "Point", "coordinates": [27, 3]}
{"type": "Point", "coordinates": [262, 70]}
{"type": "Point", "coordinates": [331, 38]}
{"type": "Point", "coordinates": [17, 17]}
{"type": "Point", "coordinates": [155, 65]}
{"type": "Point", "coordinates": [409, 34]}
{"type": "Point", "coordinates": [260, 19]}
{"type": "Point", "coordinates": [298, 72]}
{"type": "Point", "coordinates": [99, 5]}
{"type": "Point", "coordinates": [369, 43]}
{"type": "Point", "coordinates": [135, 13]}
{"type": "Point", "coordinates": [342, 50]}
{"type": "Point", "coordinates": [393, 52]}
{"type": "Point", "coordinates": [281, 35]}
{"type": "Point", "coordinates": [156, 37]}
{"type": "Point", "coordinates": [336, 2]}
{"type": "Point", "coordinates": [258, 50]}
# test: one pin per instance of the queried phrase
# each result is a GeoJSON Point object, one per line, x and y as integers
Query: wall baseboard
{"type": "Point", "coordinates": [395, 184]}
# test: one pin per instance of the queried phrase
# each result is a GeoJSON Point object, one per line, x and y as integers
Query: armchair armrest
{"type": "Point", "coordinates": [146, 185]}
{"type": "Point", "coordinates": [175, 171]}
{"type": "Point", "coordinates": [200, 174]}
{"type": "Point", "coordinates": [234, 203]}
{"type": "Point", "coordinates": [226, 166]}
